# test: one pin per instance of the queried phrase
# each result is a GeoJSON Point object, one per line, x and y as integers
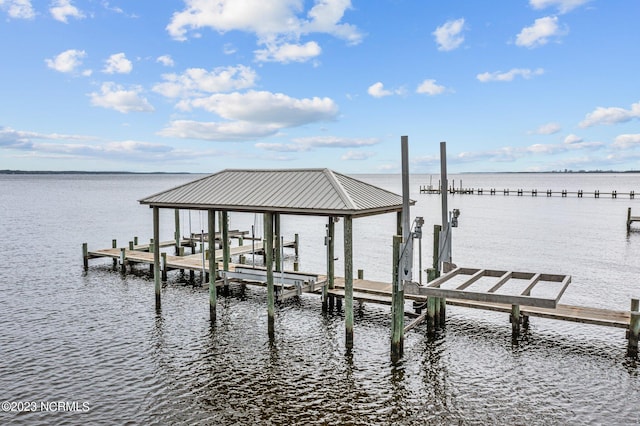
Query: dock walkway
{"type": "Point", "coordinates": [378, 292]}
{"type": "Point", "coordinates": [533, 192]}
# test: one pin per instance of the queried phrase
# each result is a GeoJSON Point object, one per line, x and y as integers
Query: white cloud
{"type": "Point", "coordinates": [540, 32]}
{"type": "Point", "coordinates": [19, 9]}
{"type": "Point", "coordinates": [611, 115]}
{"type": "Point", "coordinates": [198, 81]}
{"type": "Point", "coordinates": [562, 5]}
{"type": "Point", "coordinates": [288, 52]}
{"type": "Point", "coordinates": [357, 155]}
{"type": "Point", "coordinates": [627, 141]}
{"type": "Point", "coordinates": [237, 131]}
{"type": "Point", "coordinates": [429, 87]}
{"type": "Point", "coordinates": [165, 60]}
{"type": "Point", "coordinates": [117, 64]}
{"type": "Point", "coordinates": [266, 107]}
{"type": "Point", "coordinates": [114, 96]}
{"type": "Point", "coordinates": [547, 129]}
{"type": "Point", "coordinates": [63, 9]}
{"type": "Point", "coordinates": [310, 143]}
{"type": "Point", "coordinates": [66, 61]}
{"type": "Point", "coordinates": [55, 145]}
{"type": "Point", "coordinates": [572, 139]}
{"type": "Point", "coordinates": [449, 35]}
{"type": "Point", "coordinates": [509, 75]}
{"type": "Point", "coordinates": [377, 90]}
{"type": "Point", "coordinates": [335, 142]}
{"type": "Point", "coordinates": [250, 115]}
{"type": "Point", "coordinates": [275, 23]}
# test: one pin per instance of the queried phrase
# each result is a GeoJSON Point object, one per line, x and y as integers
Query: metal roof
{"type": "Point", "coordinates": [320, 192]}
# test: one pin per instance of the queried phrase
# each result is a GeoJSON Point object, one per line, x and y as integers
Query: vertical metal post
{"type": "Point", "coordinates": [445, 246]}
{"type": "Point", "coordinates": [268, 249]}
{"type": "Point", "coordinates": [348, 281]}
{"type": "Point", "coordinates": [397, 304]}
{"type": "Point", "coordinates": [212, 264]}
{"type": "Point", "coordinates": [156, 254]}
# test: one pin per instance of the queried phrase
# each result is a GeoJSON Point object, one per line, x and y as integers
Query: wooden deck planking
{"type": "Point", "coordinates": [378, 292]}
{"type": "Point", "coordinates": [192, 261]}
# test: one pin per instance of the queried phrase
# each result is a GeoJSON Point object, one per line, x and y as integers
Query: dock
{"type": "Point", "coordinates": [141, 254]}
{"type": "Point", "coordinates": [338, 198]}
{"type": "Point", "coordinates": [520, 192]}
{"type": "Point", "coordinates": [294, 283]}
{"type": "Point", "coordinates": [631, 219]}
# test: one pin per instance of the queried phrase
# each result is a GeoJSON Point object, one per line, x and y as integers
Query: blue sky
{"type": "Point", "coordinates": [203, 85]}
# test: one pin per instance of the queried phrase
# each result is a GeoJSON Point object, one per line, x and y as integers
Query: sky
{"type": "Point", "coordinates": [205, 85]}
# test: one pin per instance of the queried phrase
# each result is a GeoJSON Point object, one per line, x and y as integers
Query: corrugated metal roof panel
{"type": "Point", "coordinates": [294, 191]}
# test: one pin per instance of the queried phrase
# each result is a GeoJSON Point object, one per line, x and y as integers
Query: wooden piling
{"type": "Point", "coordinates": [114, 244]}
{"type": "Point", "coordinates": [514, 318]}
{"type": "Point", "coordinates": [296, 243]}
{"type": "Point", "coordinates": [397, 304]}
{"type": "Point", "coordinates": [226, 253]}
{"type": "Point", "coordinates": [177, 231]}
{"type": "Point", "coordinates": [361, 274]}
{"type": "Point", "coordinates": [268, 250]}
{"type": "Point", "coordinates": [348, 281]}
{"type": "Point", "coordinates": [156, 254]}
{"type": "Point", "coordinates": [123, 264]}
{"type": "Point", "coordinates": [163, 265]}
{"type": "Point", "coordinates": [629, 219]}
{"type": "Point", "coordinates": [85, 255]}
{"type": "Point", "coordinates": [211, 217]}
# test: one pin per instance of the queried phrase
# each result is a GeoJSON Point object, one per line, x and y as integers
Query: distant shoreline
{"type": "Point", "coordinates": [81, 172]}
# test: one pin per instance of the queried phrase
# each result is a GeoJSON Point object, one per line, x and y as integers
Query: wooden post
{"type": "Point", "coordinates": [515, 320]}
{"type": "Point", "coordinates": [629, 219]}
{"type": "Point", "coordinates": [177, 233]}
{"type": "Point", "coordinates": [156, 254]}
{"type": "Point", "coordinates": [114, 244]}
{"type": "Point", "coordinates": [436, 250]}
{"type": "Point", "coordinates": [135, 241]}
{"type": "Point", "coordinates": [397, 304]}
{"type": "Point", "coordinates": [278, 245]}
{"type": "Point", "coordinates": [226, 253]}
{"type": "Point", "coordinates": [361, 274]}
{"type": "Point", "coordinates": [123, 264]}
{"type": "Point", "coordinates": [163, 265]}
{"type": "Point", "coordinates": [85, 255]}
{"type": "Point", "coordinates": [296, 243]}
{"type": "Point", "coordinates": [212, 264]}
{"type": "Point", "coordinates": [348, 281]}
{"type": "Point", "coordinates": [268, 249]}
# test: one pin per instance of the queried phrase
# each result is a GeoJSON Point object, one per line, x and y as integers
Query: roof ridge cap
{"type": "Point", "coordinates": [344, 195]}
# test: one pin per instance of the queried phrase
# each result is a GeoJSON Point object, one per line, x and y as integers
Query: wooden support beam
{"type": "Point", "coordinates": [156, 254]}
{"type": "Point", "coordinates": [85, 255]}
{"type": "Point", "coordinates": [177, 230]}
{"type": "Point", "coordinates": [268, 250]}
{"type": "Point", "coordinates": [278, 247]}
{"type": "Point", "coordinates": [211, 217]}
{"type": "Point", "coordinates": [348, 281]}
{"type": "Point", "coordinates": [514, 318]}
{"type": "Point", "coordinates": [163, 265]}
{"type": "Point", "coordinates": [397, 304]}
{"type": "Point", "coordinates": [225, 240]}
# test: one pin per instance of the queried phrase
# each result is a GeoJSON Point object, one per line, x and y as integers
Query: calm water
{"type": "Point", "coordinates": [96, 339]}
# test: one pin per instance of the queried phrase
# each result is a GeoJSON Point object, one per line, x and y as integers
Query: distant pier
{"type": "Point", "coordinates": [520, 192]}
